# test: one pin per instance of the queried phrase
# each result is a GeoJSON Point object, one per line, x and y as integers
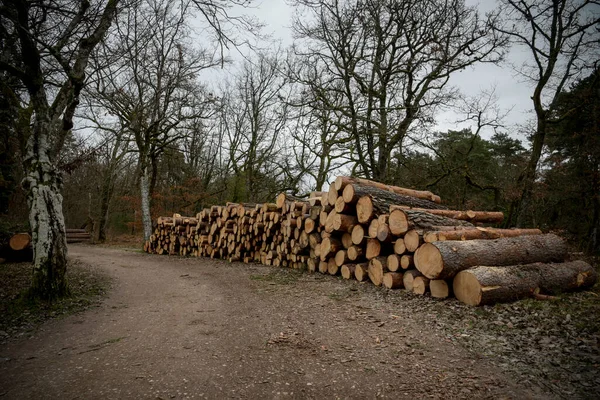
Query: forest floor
{"type": "Point", "coordinates": [172, 327]}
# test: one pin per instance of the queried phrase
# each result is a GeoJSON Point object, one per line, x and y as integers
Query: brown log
{"type": "Point", "coordinates": [488, 285]}
{"type": "Point", "coordinates": [373, 227]}
{"type": "Point", "coordinates": [315, 200]}
{"type": "Point", "coordinates": [399, 246]}
{"type": "Point", "coordinates": [344, 223]}
{"type": "Point", "coordinates": [342, 207]}
{"type": "Point", "coordinates": [472, 216]}
{"type": "Point", "coordinates": [332, 267]}
{"type": "Point", "coordinates": [420, 285]}
{"type": "Point", "coordinates": [393, 280]}
{"type": "Point", "coordinates": [355, 253]}
{"type": "Point", "coordinates": [332, 195]}
{"type": "Point", "coordinates": [341, 258]}
{"type": "Point", "coordinates": [443, 260]}
{"type": "Point", "coordinates": [440, 289]}
{"type": "Point", "coordinates": [374, 202]}
{"type": "Point", "coordinates": [407, 261]}
{"type": "Point", "coordinates": [347, 240]}
{"type": "Point", "coordinates": [323, 266]}
{"type": "Point", "coordinates": [361, 272]}
{"type": "Point", "coordinates": [282, 198]}
{"type": "Point", "coordinates": [309, 225]}
{"type": "Point", "coordinates": [384, 234]}
{"type": "Point", "coordinates": [312, 264]}
{"type": "Point", "coordinates": [20, 241]}
{"type": "Point", "coordinates": [342, 181]}
{"type": "Point", "coordinates": [409, 278]}
{"type": "Point", "coordinates": [393, 262]}
{"type": "Point", "coordinates": [401, 221]}
{"type": "Point", "coordinates": [348, 271]}
{"type": "Point", "coordinates": [377, 267]}
{"type": "Point", "coordinates": [358, 235]}
{"type": "Point", "coordinates": [477, 233]}
{"type": "Point", "coordinates": [373, 248]}
{"type": "Point", "coordinates": [329, 221]}
{"type": "Point", "coordinates": [412, 240]}
{"type": "Point", "coordinates": [330, 246]}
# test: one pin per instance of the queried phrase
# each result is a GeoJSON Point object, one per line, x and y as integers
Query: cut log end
{"type": "Point", "coordinates": [20, 241]}
{"type": "Point", "coordinates": [428, 260]}
{"type": "Point", "coordinates": [467, 288]}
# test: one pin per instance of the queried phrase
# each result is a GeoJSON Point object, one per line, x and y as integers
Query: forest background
{"type": "Point", "coordinates": [359, 91]}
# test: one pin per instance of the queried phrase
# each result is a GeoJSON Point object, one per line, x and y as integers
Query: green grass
{"type": "Point", "coordinates": [278, 276]}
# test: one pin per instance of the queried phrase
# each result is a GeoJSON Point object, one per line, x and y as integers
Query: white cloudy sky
{"type": "Point", "coordinates": [513, 94]}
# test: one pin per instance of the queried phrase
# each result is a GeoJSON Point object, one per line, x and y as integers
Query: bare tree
{"type": "Point", "coordinates": [255, 115]}
{"type": "Point", "coordinates": [562, 38]}
{"type": "Point", "coordinates": [318, 145]}
{"type": "Point", "coordinates": [391, 61]}
{"type": "Point", "coordinates": [150, 85]}
{"type": "Point", "coordinates": [50, 55]}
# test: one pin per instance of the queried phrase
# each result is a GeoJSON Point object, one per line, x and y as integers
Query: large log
{"type": "Point", "coordinates": [372, 202]}
{"type": "Point", "coordinates": [401, 221]}
{"type": "Point", "coordinates": [342, 181]}
{"type": "Point", "coordinates": [477, 233]}
{"type": "Point", "coordinates": [443, 260]}
{"type": "Point", "coordinates": [488, 285]}
{"type": "Point", "coordinates": [20, 241]}
{"type": "Point", "coordinates": [469, 215]}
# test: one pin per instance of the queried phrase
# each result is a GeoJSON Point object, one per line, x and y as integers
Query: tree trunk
{"type": "Point", "coordinates": [45, 217]}
{"type": "Point", "coordinates": [443, 260]}
{"type": "Point", "coordinates": [105, 197]}
{"type": "Point", "coordinates": [520, 208]}
{"type": "Point", "coordinates": [145, 193]}
{"type": "Point", "coordinates": [489, 285]}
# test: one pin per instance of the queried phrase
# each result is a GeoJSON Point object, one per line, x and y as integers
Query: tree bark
{"type": "Point", "coordinates": [477, 233]}
{"type": "Point", "coordinates": [45, 217]}
{"type": "Point", "coordinates": [145, 197]}
{"type": "Point", "coordinates": [342, 181]}
{"type": "Point", "coordinates": [469, 215]}
{"type": "Point", "coordinates": [372, 202]}
{"type": "Point", "coordinates": [489, 285]}
{"type": "Point", "coordinates": [401, 221]}
{"type": "Point", "coordinates": [443, 260]}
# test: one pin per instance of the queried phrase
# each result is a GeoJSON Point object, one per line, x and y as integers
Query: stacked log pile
{"type": "Point", "coordinates": [388, 235]}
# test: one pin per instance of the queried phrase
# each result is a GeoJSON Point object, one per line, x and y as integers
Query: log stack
{"type": "Point", "coordinates": [388, 235]}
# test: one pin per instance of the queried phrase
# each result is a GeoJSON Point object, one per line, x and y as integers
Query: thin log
{"type": "Point", "coordinates": [401, 221]}
{"type": "Point", "coordinates": [420, 285]}
{"type": "Point", "coordinates": [477, 233]}
{"type": "Point", "coordinates": [409, 278]}
{"type": "Point", "coordinates": [393, 280]}
{"type": "Point", "coordinates": [342, 181]}
{"type": "Point", "coordinates": [494, 217]}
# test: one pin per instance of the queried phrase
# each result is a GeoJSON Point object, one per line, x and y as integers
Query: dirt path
{"type": "Point", "coordinates": [199, 328]}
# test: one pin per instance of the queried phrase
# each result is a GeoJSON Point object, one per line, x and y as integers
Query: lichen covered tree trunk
{"type": "Point", "coordinates": [145, 194]}
{"type": "Point", "coordinates": [42, 184]}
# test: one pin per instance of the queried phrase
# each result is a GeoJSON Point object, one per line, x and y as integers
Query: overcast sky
{"type": "Point", "coordinates": [512, 92]}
